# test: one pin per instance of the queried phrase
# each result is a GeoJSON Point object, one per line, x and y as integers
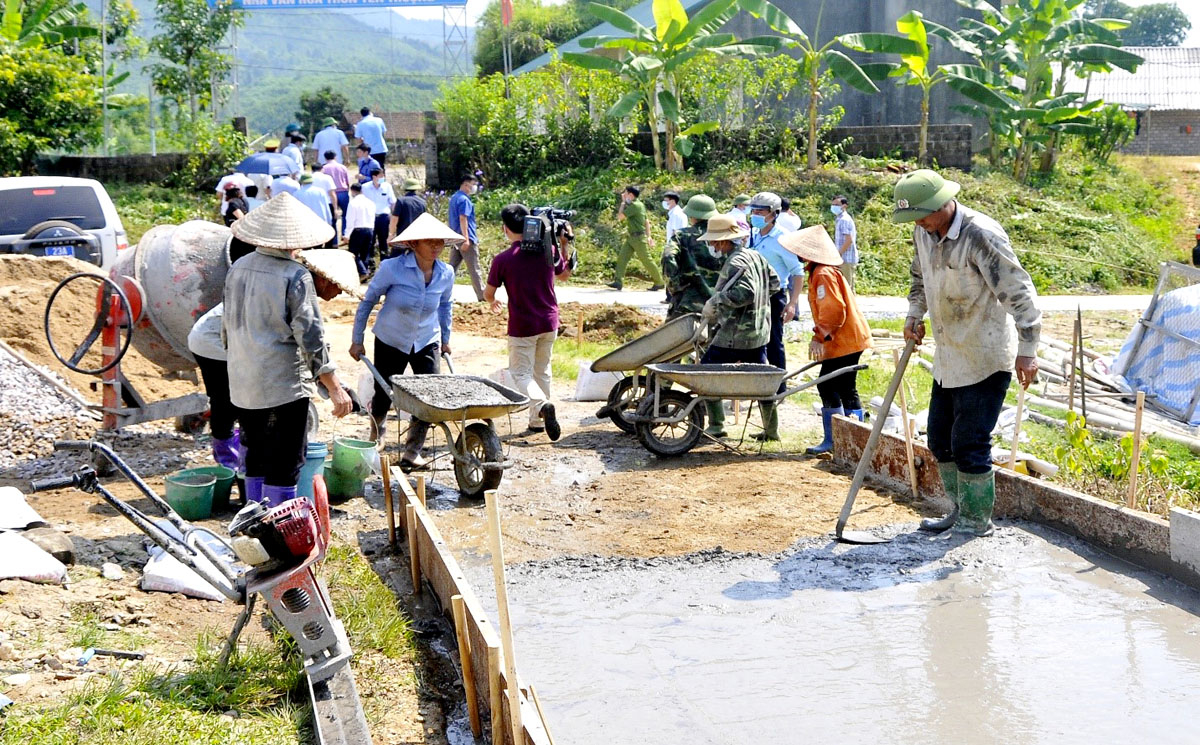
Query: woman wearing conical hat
{"type": "Point", "coordinates": [275, 342]}
{"type": "Point", "coordinates": [840, 333]}
{"type": "Point", "coordinates": [412, 329]}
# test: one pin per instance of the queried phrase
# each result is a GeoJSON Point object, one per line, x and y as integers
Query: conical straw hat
{"type": "Point", "coordinates": [812, 244]}
{"type": "Point", "coordinates": [426, 227]}
{"type": "Point", "coordinates": [283, 223]}
{"type": "Point", "coordinates": [335, 265]}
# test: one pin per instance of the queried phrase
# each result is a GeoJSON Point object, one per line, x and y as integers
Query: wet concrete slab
{"type": "Point", "coordinates": [1029, 636]}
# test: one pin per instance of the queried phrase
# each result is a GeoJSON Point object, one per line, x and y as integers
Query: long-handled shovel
{"type": "Point", "coordinates": [864, 463]}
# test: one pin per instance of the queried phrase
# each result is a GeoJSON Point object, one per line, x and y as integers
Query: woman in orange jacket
{"type": "Point", "coordinates": [840, 333]}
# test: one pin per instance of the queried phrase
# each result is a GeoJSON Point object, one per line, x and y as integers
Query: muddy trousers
{"type": "Point", "coordinates": [276, 440]}
{"type": "Point", "coordinates": [471, 257]}
{"type": "Point", "coordinates": [842, 391]}
{"type": "Point", "coordinates": [529, 359]}
{"type": "Point", "coordinates": [637, 244]}
{"type": "Point", "coordinates": [961, 421]}
{"type": "Point", "coordinates": [222, 412]}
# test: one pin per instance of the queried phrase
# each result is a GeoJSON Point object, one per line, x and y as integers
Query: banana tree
{"type": "Point", "coordinates": [44, 23]}
{"type": "Point", "coordinates": [650, 61]}
{"type": "Point", "coordinates": [815, 60]}
{"type": "Point", "coordinates": [914, 67]}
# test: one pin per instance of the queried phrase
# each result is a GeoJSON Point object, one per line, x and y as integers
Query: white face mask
{"type": "Point", "coordinates": [666, 205]}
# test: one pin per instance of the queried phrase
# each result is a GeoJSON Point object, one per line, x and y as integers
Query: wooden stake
{"type": "Point", "coordinates": [908, 445]}
{"type": "Point", "coordinates": [468, 665]}
{"type": "Point", "coordinates": [1012, 456]}
{"type": "Point", "coordinates": [493, 658]}
{"type": "Point", "coordinates": [1071, 377]}
{"type": "Point", "coordinates": [389, 506]}
{"type": "Point", "coordinates": [1082, 369]}
{"type": "Point", "coordinates": [506, 637]}
{"type": "Point", "coordinates": [579, 330]}
{"type": "Point", "coordinates": [737, 410]}
{"type": "Point", "coordinates": [537, 702]}
{"type": "Point", "coordinates": [421, 490]}
{"type": "Point", "coordinates": [410, 519]}
{"type": "Point", "coordinates": [1131, 499]}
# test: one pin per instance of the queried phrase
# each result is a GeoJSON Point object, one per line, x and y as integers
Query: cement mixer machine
{"type": "Point", "coordinates": [154, 294]}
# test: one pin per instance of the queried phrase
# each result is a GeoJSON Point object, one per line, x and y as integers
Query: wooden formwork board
{"type": "Point", "coordinates": [440, 570]}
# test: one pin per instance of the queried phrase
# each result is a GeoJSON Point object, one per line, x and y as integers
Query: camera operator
{"type": "Point", "coordinates": [527, 271]}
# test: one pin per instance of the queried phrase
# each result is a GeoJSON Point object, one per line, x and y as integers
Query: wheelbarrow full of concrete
{"type": "Point", "coordinates": [670, 421]}
{"type": "Point", "coordinates": [468, 404]}
{"type": "Point", "coordinates": [667, 343]}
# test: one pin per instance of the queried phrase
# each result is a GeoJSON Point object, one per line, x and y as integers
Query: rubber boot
{"type": "Point", "coordinates": [254, 489]}
{"type": "Point", "coordinates": [826, 445]}
{"type": "Point", "coordinates": [857, 414]}
{"type": "Point", "coordinates": [716, 419]}
{"type": "Point", "coordinates": [770, 415]}
{"type": "Point", "coordinates": [273, 496]}
{"type": "Point", "coordinates": [413, 442]}
{"type": "Point", "coordinates": [976, 498]}
{"type": "Point", "coordinates": [225, 452]}
{"type": "Point", "coordinates": [949, 473]}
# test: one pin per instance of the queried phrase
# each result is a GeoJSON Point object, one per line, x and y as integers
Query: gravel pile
{"type": "Point", "coordinates": [33, 414]}
{"type": "Point", "coordinates": [451, 391]}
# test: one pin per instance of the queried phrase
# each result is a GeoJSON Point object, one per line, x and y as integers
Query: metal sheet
{"type": "Point", "coordinates": [670, 341]}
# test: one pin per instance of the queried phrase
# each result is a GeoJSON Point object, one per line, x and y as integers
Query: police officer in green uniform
{"type": "Point", "coordinates": [690, 269]}
{"type": "Point", "coordinates": [637, 239]}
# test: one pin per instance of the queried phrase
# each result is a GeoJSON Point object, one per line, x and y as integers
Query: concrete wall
{"type": "Point", "coordinates": [138, 169]}
{"type": "Point", "coordinates": [1166, 133]}
{"type": "Point", "coordinates": [949, 144]}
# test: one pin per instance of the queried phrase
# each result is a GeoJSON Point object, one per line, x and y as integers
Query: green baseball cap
{"type": "Point", "coordinates": [328, 121]}
{"type": "Point", "coordinates": [921, 193]}
{"type": "Point", "coordinates": [741, 199]}
{"type": "Point", "coordinates": [411, 184]}
{"type": "Point", "coordinates": [701, 207]}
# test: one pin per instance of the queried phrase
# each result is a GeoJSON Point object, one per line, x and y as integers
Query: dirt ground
{"type": "Point", "coordinates": [1102, 332]}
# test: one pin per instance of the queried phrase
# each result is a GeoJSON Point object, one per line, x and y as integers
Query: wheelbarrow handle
{"type": "Point", "coordinates": [375, 373]}
{"type": "Point", "coordinates": [449, 362]}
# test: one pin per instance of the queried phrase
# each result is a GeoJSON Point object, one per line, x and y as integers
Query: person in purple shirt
{"type": "Point", "coordinates": [528, 279]}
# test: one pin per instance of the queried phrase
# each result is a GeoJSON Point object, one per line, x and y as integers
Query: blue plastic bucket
{"type": "Point", "coordinates": [314, 463]}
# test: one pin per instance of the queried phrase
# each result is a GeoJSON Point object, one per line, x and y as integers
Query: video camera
{"type": "Point", "coordinates": [543, 227]}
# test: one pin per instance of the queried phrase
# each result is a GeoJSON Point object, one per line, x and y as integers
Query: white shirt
{"type": "Point", "coordinates": [241, 179]}
{"type": "Point", "coordinates": [324, 181]}
{"type": "Point", "coordinates": [360, 213]}
{"type": "Point", "coordinates": [676, 220]}
{"type": "Point", "coordinates": [294, 152]}
{"type": "Point", "coordinates": [381, 195]}
{"type": "Point", "coordinates": [787, 222]}
{"type": "Point", "coordinates": [252, 202]}
{"type": "Point", "coordinates": [330, 138]}
{"type": "Point", "coordinates": [205, 337]}
{"type": "Point", "coordinates": [284, 184]}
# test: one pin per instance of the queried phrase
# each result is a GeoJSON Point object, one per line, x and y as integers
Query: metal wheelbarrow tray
{"type": "Point", "coordinates": [669, 341]}
{"type": "Point", "coordinates": [411, 393]}
{"type": "Point", "coordinates": [724, 381]}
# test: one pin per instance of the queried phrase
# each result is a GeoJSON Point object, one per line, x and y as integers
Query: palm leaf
{"type": "Point", "coordinates": [848, 70]}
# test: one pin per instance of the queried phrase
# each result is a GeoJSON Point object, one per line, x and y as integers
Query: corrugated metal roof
{"type": "Point", "coordinates": [1169, 79]}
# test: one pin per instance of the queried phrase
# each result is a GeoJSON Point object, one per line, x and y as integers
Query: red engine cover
{"type": "Point", "coordinates": [295, 525]}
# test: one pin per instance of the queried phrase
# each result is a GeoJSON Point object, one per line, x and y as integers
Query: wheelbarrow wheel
{"type": "Point", "coordinates": [623, 401]}
{"type": "Point", "coordinates": [669, 440]}
{"type": "Point", "coordinates": [478, 443]}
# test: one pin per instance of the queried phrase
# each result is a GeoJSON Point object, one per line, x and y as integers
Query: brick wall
{"type": "Point", "coordinates": [140, 169]}
{"type": "Point", "coordinates": [1166, 133]}
{"type": "Point", "coordinates": [949, 144]}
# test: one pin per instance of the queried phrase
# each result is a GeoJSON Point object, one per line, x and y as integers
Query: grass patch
{"type": "Point", "coordinates": [142, 206]}
{"type": "Point", "coordinates": [373, 618]}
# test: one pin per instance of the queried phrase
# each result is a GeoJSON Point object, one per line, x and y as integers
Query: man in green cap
{"type": "Point", "coordinates": [741, 208]}
{"type": "Point", "coordinates": [637, 239]}
{"type": "Point", "coordinates": [406, 210]}
{"type": "Point", "coordinates": [966, 276]}
{"type": "Point", "coordinates": [689, 268]}
{"type": "Point", "coordinates": [331, 138]}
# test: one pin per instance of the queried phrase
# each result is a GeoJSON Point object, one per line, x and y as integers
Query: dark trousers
{"type": "Point", "coordinates": [343, 201]}
{"type": "Point", "coordinates": [842, 391]}
{"type": "Point", "coordinates": [775, 353]}
{"type": "Point", "coordinates": [961, 421]}
{"type": "Point", "coordinates": [360, 248]}
{"type": "Point", "coordinates": [382, 160]}
{"type": "Point", "coordinates": [382, 224]}
{"type": "Point", "coordinates": [728, 355]}
{"type": "Point", "coordinates": [276, 440]}
{"type": "Point", "coordinates": [222, 412]}
{"type": "Point", "coordinates": [390, 361]}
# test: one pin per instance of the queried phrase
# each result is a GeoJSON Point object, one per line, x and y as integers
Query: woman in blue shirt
{"type": "Point", "coordinates": [413, 327]}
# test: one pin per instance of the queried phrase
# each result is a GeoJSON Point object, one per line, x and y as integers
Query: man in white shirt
{"type": "Point", "coordinates": [360, 228]}
{"type": "Point", "coordinates": [676, 220]}
{"type": "Point", "coordinates": [242, 181]}
{"type": "Point", "coordinates": [379, 191]}
{"type": "Point", "coordinates": [325, 182]}
{"type": "Point", "coordinates": [788, 221]}
{"type": "Point", "coordinates": [295, 150]}
{"type": "Point", "coordinates": [331, 138]}
{"type": "Point", "coordinates": [285, 184]}
{"type": "Point", "coordinates": [370, 131]}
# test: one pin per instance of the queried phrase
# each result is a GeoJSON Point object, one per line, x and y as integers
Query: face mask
{"type": "Point", "coordinates": [666, 205]}
{"type": "Point", "coordinates": [836, 209]}
{"type": "Point", "coordinates": [713, 252]}
{"type": "Point", "coordinates": [757, 221]}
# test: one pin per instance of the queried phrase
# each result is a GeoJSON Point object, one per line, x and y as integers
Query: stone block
{"type": "Point", "coordinates": [1185, 538]}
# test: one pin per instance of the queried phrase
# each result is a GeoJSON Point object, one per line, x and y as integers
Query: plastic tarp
{"type": "Point", "coordinates": [1164, 365]}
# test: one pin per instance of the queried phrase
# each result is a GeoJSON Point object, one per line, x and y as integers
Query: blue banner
{"type": "Point", "coordinates": [303, 4]}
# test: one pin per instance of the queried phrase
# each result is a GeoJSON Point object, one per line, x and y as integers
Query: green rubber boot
{"type": "Point", "coordinates": [976, 498]}
{"type": "Point", "coordinates": [770, 416]}
{"type": "Point", "coordinates": [949, 473]}
{"type": "Point", "coordinates": [716, 419]}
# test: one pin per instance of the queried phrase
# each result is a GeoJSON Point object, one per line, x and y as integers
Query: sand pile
{"type": "Point", "coordinates": [602, 323]}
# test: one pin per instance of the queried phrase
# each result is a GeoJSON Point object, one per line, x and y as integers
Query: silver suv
{"type": "Point", "coordinates": [60, 216]}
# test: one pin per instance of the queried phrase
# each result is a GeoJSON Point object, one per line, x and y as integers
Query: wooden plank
{"type": "Point", "coordinates": [414, 557]}
{"type": "Point", "coordinates": [468, 673]}
{"type": "Point", "coordinates": [1131, 497]}
{"type": "Point", "coordinates": [506, 636]}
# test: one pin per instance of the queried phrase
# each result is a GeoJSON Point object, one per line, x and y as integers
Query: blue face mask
{"type": "Point", "coordinates": [757, 221]}
{"type": "Point", "coordinates": [836, 209]}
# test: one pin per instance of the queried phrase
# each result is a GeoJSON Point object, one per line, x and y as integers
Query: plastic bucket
{"type": "Point", "coordinates": [191, 494]}
{"type": "Point", "coordinates": [341, 486]}
{"type": "Point", "coordinates": [352, 458]}
{"type": "Point", "coordinates": [223, 487]}
{"type": "Point", "coordinates": [314, 463]}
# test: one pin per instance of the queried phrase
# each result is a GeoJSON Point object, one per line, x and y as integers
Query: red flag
{"type": "Point", "coordinates": [506, 12]}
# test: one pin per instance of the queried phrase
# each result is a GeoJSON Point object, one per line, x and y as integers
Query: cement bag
{"type": "Point", "coordinates": [592, 386]}
{"type": "Point", "coordinates": [15, 513]}
{"type": "Point", "coordinates": [21, 558]}
{"type": "Point", "coordinates": [165, 573]}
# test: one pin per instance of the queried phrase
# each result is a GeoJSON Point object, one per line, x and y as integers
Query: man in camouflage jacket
{"type": "Point", "coordinates": [689, 268]}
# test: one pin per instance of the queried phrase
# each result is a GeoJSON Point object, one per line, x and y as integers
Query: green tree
{"type": "Point", "coordinates": [48, 100]}
{"type": "Point", "coordinates": [44, 23]}
{"type": "Point", "coordinates": [651, 60]}
{"type": "Point", "coordinates": [1156, 25]}
{"type": "Point", "coordinates": [317, 105]}
{"type": "Point", "coordinates": [536, 28]}
{"type": "Point", "coordinates": [189, 36]}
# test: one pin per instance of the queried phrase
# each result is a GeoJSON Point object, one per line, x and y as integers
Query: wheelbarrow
{"type": "Point", "coordinates": [669, 421]}
{"type": "Point", "coordinates": [667, 343]}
